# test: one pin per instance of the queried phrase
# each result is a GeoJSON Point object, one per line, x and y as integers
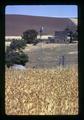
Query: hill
{"type": "Point", "coordinates": [15, 25]}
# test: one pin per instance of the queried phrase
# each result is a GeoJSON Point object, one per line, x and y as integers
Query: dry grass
{"type": "Point", "coordinates": [41, 91]}
{"type": "Point", "coordinates": [48, 55]}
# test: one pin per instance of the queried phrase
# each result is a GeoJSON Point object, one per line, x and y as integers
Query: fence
{"type": "Point", "coordinates": [62, 61]}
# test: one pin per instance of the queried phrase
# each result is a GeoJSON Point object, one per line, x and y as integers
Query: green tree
{"type": "Point", "coordinates": [17, 44]}
{"type": "Point", "coordinates": [30, 36]}
{"type": "Point", "coordinates": [69, 33]}
{"type": "Point", "coordinates": [75, 35]}
{"type": "Point", "coordinates": [16, 58]}
{"type": "Point", "coordinates": [14, 53]}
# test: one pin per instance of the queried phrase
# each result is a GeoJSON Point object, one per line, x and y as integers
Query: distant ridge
{"type": "Point", "coordinates": [40, 16]}
{"type": "Point", "coordinates": [15, 25]}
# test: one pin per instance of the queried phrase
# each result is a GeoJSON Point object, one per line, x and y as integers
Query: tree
{"type": "Point", "coordinates": [67, 30]}
{"type": "Point", "coordinates": [69, 33]}
{"type": "Point", "coordinates": [30, 35]}
{"type": "Point", "coordinates": [71, 36]}
{"type": "Point", "coordinates": [16, 58]}
{"type": "Point", "coordinates": [17, 44]}
{"type": "Point", "coordinates": [75, 35]}
{"type": "Point", "coordinates": [14, 53]}
{"type": "Point", "coordinates": [23, 58]}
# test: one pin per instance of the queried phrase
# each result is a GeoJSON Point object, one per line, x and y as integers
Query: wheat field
{"type": "Point", "coordinates": [41, 91]}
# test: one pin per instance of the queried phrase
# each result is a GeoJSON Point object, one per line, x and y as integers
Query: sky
{"type": "Point", "coordinates": [43, 10]}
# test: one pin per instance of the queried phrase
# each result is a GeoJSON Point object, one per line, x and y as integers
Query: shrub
{"type": "Point", "coordinates": [16, 58]}
{"type": "Point", "coordinates": [30, 36]}
{"type": "Point", "coordinates": [17, 44]}
{"type": "Point", "coordinates": [67, 30]}
{"type": "Point", "coordinates": [75, 35]}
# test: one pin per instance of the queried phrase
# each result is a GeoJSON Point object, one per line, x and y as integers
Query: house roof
{"type": "Point", "coordinates": [15, 25]}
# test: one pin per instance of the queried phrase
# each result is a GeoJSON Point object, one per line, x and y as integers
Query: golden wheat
{"type": "Point", "coordinates": [41, 91]}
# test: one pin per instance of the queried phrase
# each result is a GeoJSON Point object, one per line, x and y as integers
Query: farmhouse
{"type": "Point", "coordinates": [15, 25]}
{"type": "Point", "coordinates": [60, 36]}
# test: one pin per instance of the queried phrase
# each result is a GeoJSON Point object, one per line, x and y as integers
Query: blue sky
{"type": "Point", "coordinates": [43, 10]}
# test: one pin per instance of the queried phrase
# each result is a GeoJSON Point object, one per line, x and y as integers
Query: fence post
{"type": "Point", "coordinates": [63, 60]}
{"type": "Point", "coordinates": [59, 61]}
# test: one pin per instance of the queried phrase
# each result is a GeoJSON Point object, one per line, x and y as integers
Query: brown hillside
{"type": "Point", "coordinates": [15, 25]}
